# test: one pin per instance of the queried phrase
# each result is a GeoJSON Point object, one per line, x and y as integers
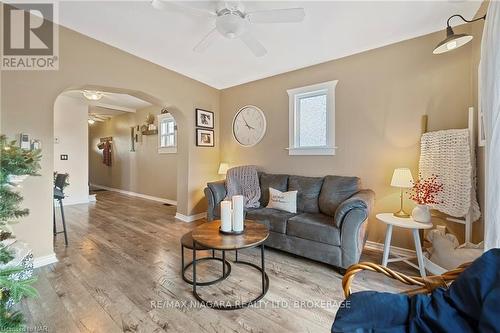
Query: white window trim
{"type": "Point", "coordinates": [329, 148]}
{"type": "Point", "coordinates": [166, 150]}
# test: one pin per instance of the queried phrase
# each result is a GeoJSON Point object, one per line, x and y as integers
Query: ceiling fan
{"type": "Point", "coordinates": [231, 20]}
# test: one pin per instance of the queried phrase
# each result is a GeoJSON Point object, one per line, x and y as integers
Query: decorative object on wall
{"type": "Point", "coordinates": [205, 138]}
{"type": "Point", "coordinates": [149, 128]}
{"type": "Point", "coordinates": [133, 138]}
{"type": "Point", "coordinates": [452, 40]}
{"type": "Point", "coordinates": [204, 118]}
{"type": "Point", "coordinates": [402, 178]}
{"type": "Point", "coordinates": [249, 126]}
{"type": "Point", "coordinates": [105, 145]}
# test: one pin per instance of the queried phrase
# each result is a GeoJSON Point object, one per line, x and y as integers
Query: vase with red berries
{"type": "Point", "coordinates": [425, 192]}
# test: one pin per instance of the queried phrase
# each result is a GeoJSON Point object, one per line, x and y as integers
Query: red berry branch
{"type": "Point", "coordinates": [425, 191]}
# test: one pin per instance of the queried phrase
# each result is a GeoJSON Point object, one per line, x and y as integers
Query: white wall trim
{"type": "Point", "coordinates": [190, 218]}
{"type": "Point", "coordinates": [394, 249]}
{"type": "Point", "coordinates": [69, 202]}
{"type": "Point", "coordinates": [44, 260]}
{"type": "Point", "coordinates": [134, 194]}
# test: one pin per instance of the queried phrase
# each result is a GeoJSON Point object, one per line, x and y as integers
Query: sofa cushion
{"type": "Point", "coordinates": [278, 182]}
{"type": "Point", "coordinates": [335, 190]}
{"type": "Point", "coordinates": [308, 192]}
{"type": "Point", "coordinates": [274, 219]}
{"type": "Point", "coordinates": [314, 227]}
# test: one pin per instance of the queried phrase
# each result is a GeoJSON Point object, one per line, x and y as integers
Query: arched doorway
{"type": "Point", "coordinates": [138, 165]}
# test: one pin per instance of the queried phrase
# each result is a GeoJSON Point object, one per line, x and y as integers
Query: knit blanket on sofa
{"type": "Point", "coordinates": [244, 180]}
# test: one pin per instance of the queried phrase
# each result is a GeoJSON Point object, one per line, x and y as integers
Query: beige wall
{"type": "Point", "coordinates": [380, 99]}
{"type": "Point", "coordinates": [27, 105]}
{"type": "Point", "coordinates": [70, 129]}
{"type": "Point", "coordinates": [144, 171]}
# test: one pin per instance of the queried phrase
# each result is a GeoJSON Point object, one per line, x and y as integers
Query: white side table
{"type": "Point", "coordinates": [407, 223]}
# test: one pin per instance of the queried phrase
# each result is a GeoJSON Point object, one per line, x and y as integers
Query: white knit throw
{"type": "Point", "coordinates": [244, 180]}
{"type": "Point", "coordinates": [447, 154]}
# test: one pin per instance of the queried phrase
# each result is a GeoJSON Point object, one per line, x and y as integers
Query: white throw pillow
{"type": "Point", "coordinates": [286, 201]}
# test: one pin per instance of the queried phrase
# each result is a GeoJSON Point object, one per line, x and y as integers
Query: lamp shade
{"type": "Point", "coordinates": [223, 168]}
{"type": "Point", "coordinates": [402, 178]}
{"type": "Point", "coordinates": [452, 41]}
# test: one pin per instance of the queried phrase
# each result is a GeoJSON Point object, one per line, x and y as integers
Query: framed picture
{"type": "Point", "coordinates": [205, 138]}
{"type": "Point", "coordinates": [204, 118]}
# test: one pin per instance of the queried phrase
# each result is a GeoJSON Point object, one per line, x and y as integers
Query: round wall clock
{"type": "Point", "coordinates": [249, 126]}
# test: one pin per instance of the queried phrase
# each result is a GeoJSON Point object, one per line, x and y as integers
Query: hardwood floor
{"type": "Point", "coordinates": [121, 273]}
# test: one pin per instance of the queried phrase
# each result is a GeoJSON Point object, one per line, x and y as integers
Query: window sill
{"type": "Point", "coordinates": [319, 151]}
{"type": "Point", "coordinates": [167, 150]}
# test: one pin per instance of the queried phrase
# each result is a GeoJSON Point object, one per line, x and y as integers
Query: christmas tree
{"type": "Point", "coordinates": [15, 165]}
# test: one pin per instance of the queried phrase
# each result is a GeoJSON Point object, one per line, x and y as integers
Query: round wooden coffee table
{"type": "Point", "coordinates": [208, 236]}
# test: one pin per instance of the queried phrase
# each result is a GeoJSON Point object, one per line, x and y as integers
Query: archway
{"type": "Point", "coordinates": [180, 155]}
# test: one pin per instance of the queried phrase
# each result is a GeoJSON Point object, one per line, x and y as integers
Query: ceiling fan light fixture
{"type": "Point", "coordinates": [92, 95]}
{"type": "Point", "coordinates": [231, 25]}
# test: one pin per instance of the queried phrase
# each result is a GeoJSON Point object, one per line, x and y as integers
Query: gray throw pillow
{"type": "Point", "coordinates": [278, 182]}
{"type": "Point", "coordinates": [335, 190]}
{"type": "Point", "coordinates": [308, 192]}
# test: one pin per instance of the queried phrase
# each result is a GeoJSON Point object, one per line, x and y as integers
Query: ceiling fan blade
{"type": "Point", "coordinates": [186, 7]}
{"type": "Point", "coordinates": [206, 41]}
{"type": "Point", "coordinates": [288, 15]}
{"type": "Point", "coordinates": [253, 44]}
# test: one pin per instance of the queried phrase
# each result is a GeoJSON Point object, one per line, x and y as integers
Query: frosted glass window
{"type": "Point", "coordinates": [312, 121]}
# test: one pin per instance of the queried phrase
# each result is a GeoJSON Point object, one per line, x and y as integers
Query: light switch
{"type": "Point", "coordinates": [64, 157]}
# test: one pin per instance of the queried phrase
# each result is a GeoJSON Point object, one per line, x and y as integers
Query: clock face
{"type": "Point", "coordinates": [249, 126]}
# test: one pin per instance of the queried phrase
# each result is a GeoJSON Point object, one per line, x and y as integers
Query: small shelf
{"type": "Point", "coordinates": [150, 132]}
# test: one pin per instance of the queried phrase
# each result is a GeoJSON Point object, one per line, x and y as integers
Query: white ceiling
{"type": "Point", "coordinates": [331, 29]}
{"type": "Point", "coordinates": [112, 101]}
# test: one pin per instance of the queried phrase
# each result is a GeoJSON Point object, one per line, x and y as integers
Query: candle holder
{"type": "Point", "coordinates": [232, 232]}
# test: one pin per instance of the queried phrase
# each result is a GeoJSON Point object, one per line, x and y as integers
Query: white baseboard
{"type": "Point", "coordinates": [134, 194]}
{"type": "Point", "coordinates": [69, 202]}
{"type": "Point", "coordinates": [394, 249]}
{"type": "Point", "coordinates": [45, 260]}
{"type": "Point", "coordinates": [190, 218]}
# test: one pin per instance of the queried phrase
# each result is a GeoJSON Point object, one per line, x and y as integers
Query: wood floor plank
{"type": "Point", "coordinates": [121, 273]}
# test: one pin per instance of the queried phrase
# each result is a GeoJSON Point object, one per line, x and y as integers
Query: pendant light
{"type": "Point", "coordinates": [454, 41]}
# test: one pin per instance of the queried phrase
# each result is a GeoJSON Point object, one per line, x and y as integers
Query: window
{"type": "Point", "coordinates": [167, 136]}
{"type": "Point", "coordinates": [312, 119]}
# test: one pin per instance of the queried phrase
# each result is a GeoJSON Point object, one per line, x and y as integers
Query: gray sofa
{"type": "Point", "coordinates": [331, 221]}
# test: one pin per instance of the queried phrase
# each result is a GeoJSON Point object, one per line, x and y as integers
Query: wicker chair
{"type": "Point", "coordinates": [425, 284]}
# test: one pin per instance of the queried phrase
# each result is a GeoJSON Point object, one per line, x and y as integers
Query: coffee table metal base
{"type": "Point", "coordinates": [223, 305]}
{"type": "Point", "coordinates": [226, 268]}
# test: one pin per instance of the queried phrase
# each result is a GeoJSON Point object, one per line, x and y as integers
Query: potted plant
{"type": "Point", "coordinates": [16, 260]}
{"type": "Point", "coordinates": [425, 192]}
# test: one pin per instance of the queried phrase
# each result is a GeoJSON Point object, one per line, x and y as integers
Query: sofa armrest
{"type": "Point", "coordinates": [352, 219]}
{"type": "Point", "coordinates": [363, 200]}
{"type": "Point", "coordinates": [215, 192]}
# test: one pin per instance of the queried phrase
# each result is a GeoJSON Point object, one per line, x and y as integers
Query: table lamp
{"type": "Point", "coordinates": [223, 168]}
{"type": "Point", "coordinates": [402, 178]}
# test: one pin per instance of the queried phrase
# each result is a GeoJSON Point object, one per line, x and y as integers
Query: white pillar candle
{"type": "Point", "coordinates": [225, 216]}
{"type": "Point", "coordinates": [237, 213]}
